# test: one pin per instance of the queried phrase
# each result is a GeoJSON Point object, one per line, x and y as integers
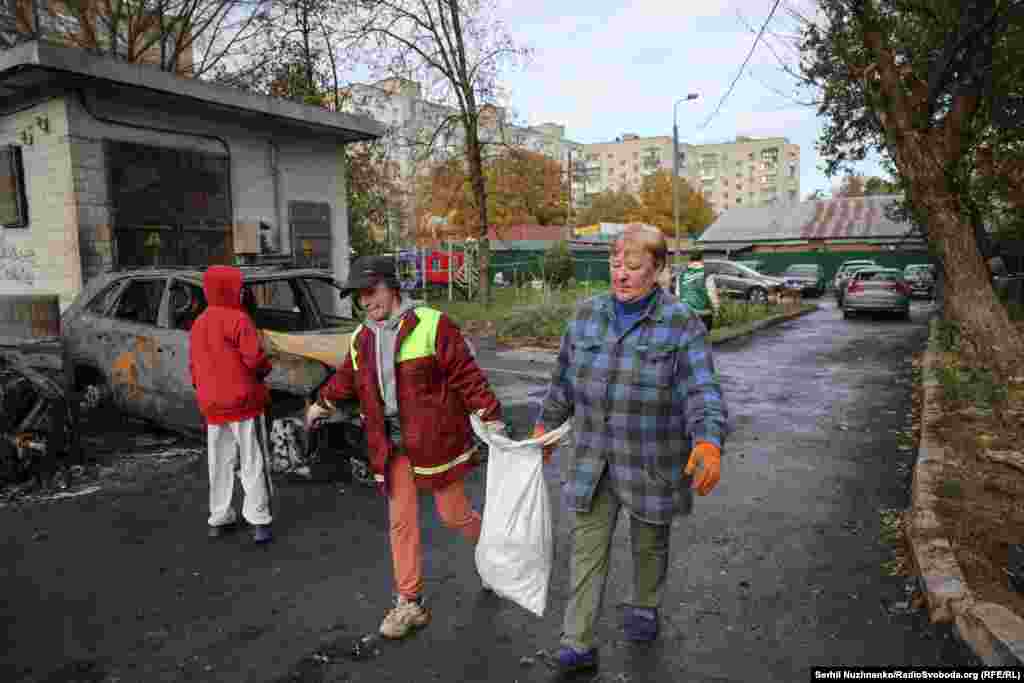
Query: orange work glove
{"type": "Point", "coordinates": [539, 431]}
{"type": "Point", "coordinates": [709, 457]}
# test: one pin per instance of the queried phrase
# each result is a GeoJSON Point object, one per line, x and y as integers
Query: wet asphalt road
{"type": "Point", "coordinates": [778, 570]}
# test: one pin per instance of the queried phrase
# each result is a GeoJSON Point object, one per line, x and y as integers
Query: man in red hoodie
{"type": "Point", "coordinates": [228, 366]}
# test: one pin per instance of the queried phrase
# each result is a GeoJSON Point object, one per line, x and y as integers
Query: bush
{"type": "Point", "coordinates": [732, 313]}
{"type": "Point", "coordinates": [541, 321]}
{"type": "Point", "coordinates": [558, 267]}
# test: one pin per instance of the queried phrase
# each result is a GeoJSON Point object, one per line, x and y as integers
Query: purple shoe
{"type": "Point", "coordinates": [641, 624]}
{"type": "Point", "coordinates": [261, 534]}
{"type": "Point", "coordinates": [569, 660]}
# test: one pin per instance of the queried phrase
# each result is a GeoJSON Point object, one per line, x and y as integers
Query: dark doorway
{"type": "Point", "coordinates": [171, 206]}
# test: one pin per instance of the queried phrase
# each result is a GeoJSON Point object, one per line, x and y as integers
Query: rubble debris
{"type": "Point", "coordinates": [37, 436]}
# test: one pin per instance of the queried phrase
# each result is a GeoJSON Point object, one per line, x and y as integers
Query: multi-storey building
{"type": "Point", "coordinates": [421, 132]}
{"type": "Point", "coordinates": [747, 172]}
{"type": "Point", "coordinates": [623, 163]}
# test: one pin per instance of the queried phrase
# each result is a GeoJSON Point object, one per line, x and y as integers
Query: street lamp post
{"type": "Point", "coordinates": [675, 166]}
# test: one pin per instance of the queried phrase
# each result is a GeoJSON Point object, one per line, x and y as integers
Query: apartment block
{"type": "Point", "coordinates": [623, 163]}
{"type": "Point", "coordinates": [421, 132]}
{"type": "Point", "coordinates": [747, 172]}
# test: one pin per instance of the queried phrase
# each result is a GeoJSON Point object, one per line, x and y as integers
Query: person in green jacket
{"type": "Point", "coordinates": [696, 288]}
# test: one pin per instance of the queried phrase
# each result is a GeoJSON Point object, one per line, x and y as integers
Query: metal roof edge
{"type": "Point", "coordinates": [55, 58]}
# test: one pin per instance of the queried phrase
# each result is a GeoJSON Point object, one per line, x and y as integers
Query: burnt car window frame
{"type": "Point", "coordinates": [159, 306]}
{"type": "Point", "coordinates": [305, 313]}
{"type": "Point", "coordinates": [112, 294]}
{"type": "Point", "coordinates": [171, 322]}
{"type": "Point", "coordinates": [303, 283]}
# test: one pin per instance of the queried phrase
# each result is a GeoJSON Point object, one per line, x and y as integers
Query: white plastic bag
{"type": "Point", "coordinates": [516, 550]}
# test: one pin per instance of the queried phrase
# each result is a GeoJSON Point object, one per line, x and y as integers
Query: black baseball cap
{"type": "Point", "coordinates": [367, 271]}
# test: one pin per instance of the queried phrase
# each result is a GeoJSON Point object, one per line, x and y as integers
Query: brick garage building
{"type": "Point", "coordinates": [106, 164]}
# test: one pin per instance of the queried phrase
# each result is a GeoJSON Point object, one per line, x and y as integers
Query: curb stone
{"type": "Point", "coordinates": [767, 322]}
{"type": "Point", "coordinates": [994, 633]}
{"type": "Point", "coordinates": [488, 345]}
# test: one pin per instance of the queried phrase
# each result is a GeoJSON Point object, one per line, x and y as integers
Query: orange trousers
{"type": "Point", "coordinates": [453, 508]}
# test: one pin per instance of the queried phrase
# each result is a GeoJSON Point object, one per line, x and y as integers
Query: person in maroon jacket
{"type": "Point", "coordinates": [416, 382]}
{"type": "Point", "coordinates": [228, 366]}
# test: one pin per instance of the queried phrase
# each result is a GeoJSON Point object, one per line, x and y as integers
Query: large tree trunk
{"type": "Point", "coordinates": [922, 154]}
{"type": "Point", "coordinates": [476, 175]}
{"type": "Point", "coordinates": [968, 296]}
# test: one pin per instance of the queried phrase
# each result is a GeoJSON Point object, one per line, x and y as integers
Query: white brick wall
{"type": "Point", "coordinates": [46, 252]}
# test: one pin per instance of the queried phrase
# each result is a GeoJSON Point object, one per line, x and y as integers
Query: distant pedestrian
{"type": "Point", "coordinates": [636, 375]}
{"type": "Point", "coordinates": [228, 366]}
{"type": "Point", "coordinates": [697, 289]}
{"type": "Point", "coordinates": [416, 381]}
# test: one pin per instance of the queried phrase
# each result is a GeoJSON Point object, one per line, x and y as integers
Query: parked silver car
{"type": "Point", "coordinates": [877, 290]}
{"type": "Point", "coordinates": [843, 273]}
{"type": "Point", "coordinates": [742, 282]}
{"type": "Point", "coordinates": [127, 337]}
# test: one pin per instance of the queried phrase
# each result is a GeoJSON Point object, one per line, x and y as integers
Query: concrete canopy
{"type": "Point", "coordinates": [36, 69]}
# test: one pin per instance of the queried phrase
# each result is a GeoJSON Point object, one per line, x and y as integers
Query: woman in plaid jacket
{"type": "Point", "coordinates": [636, 375]}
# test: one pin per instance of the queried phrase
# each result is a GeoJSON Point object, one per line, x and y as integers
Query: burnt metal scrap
{"type": "Point", "coordinates": [36, 421]}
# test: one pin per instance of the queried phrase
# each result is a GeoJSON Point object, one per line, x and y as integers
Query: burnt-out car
{"type": "Point", "coordinates": [127, 340]}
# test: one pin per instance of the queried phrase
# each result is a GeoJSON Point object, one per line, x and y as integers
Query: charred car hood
{"type": "Point", "coordinates": [302, 361]}
{"type": "Point", "coordinates": [327, 347]}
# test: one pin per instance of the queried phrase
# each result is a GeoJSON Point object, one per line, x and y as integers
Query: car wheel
{"type": "Point", "coordinates": [94, 396]}
{"type": "Point", "coordinates": [287, 447]}
{"type": "Point", "coordinates": [757, 295]}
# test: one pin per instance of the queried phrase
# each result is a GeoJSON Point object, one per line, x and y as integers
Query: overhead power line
{"type": "Point", "coordinates": [746, 61]}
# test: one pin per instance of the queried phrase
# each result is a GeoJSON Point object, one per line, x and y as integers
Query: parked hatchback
{"type": "Point", "coordinates": [807, 278]}
{"type": "Point", "coordinates": [877, 290]}
{"type": "Point", "coordinates": [127, 336]}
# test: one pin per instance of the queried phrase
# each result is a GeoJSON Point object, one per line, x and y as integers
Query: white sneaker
{"type": "Point", "coordinates": [404, 617]}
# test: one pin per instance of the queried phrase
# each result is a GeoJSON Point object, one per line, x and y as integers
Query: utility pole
{"type": "Point", "coordinates": [675, 167]}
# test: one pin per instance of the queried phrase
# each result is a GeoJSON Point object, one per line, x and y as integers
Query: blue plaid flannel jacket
{"type": "Point", "coordinates": [638, 401]}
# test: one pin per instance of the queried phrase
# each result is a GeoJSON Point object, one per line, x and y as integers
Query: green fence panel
{"type": "Point", "coordinates": [775, 263]}
{"type": "Point", "coordinates": [527, 264]}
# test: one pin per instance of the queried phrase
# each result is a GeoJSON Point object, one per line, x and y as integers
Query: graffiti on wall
{"type": "Point", "coordinates": [17, 264]}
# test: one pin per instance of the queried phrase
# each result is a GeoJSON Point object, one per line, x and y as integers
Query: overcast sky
{"type": "Point", "coordinates": [607, 67]}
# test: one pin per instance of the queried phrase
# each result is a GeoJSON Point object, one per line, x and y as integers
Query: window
{"type": "Point", "coordinates": [13, 207]}
{"type": "Point", "coordinates": [792, 170]}
{"type": "Point", "coordinates": [101, 303]}
{"type": "Point", "coordinates": [770, 156]}
{"type": "Point", "coordinates": [140, 301]}
{"type": "Point", "coordinates": [327, 297]}
{"type": "Point", "coordinates": [274, 305]}
{"type": "Point", "coordinates": [187, 301]}
{"type": "Point", "coordinates": [739, 200]}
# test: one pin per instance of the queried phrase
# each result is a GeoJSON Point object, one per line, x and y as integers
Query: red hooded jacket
{"type": "Point", "coordinates": [226, 359]}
